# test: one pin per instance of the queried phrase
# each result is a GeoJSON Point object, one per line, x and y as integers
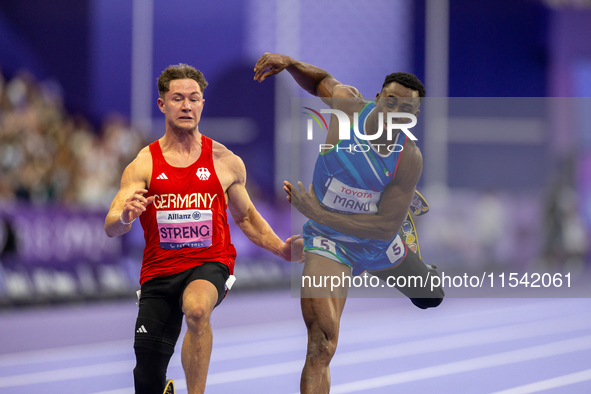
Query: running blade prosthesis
{"type": "Point", "coordinates": [408, 232]}
{"type": "Point", "coordinates": [169, 388]}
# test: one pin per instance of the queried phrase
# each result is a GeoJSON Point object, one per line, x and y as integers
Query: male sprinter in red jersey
{"type": "Point", "coordinates": [180, 186]}
{"type": "Point", "coordinates": [357, 206]}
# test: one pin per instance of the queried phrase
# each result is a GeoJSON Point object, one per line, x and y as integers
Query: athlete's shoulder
{"type": "Point", "coordinates": [411, 153]}
{"type": "Point", "coordinates": [221, 152]}
{"type": "Point", "coordinates": [140, 168]}
{"type": "Point", "coordinates": [143, 158]}
{"type": "Point", "coordinates": [342, 90]}
{"type": "Point", "coordinates": [227, 160]}
{"type": "Point", "coordinates": [347, 98]}
{"type": "Point", "coordinates": [410, 166]}
{"type": "Point", "coordinates": [144, 153]}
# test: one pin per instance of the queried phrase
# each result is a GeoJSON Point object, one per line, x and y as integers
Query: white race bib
{"type": "Point", "coordinates": [190, 228]}
{"type": "Point", "coordinates": [343, 198]}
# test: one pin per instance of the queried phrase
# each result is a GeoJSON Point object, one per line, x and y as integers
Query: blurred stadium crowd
{"type": "Point", "coordinates": [59, 173]}
{"type": "Point", "coordinates": [48, 155]}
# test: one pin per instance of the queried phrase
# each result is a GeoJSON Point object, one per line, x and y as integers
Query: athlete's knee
{"type": "Point", "coordinates": [321, 350]}
{"type": "Point", "coordinates": [198, 300]}
{"type": "Point", "coordinates": [322, 343]}
{"type": "Point", "coordinates": [197, 316]}
{"type": "Point", "coordinates": [152, 358]}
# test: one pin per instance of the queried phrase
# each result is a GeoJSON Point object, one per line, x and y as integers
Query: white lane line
{"type": "Point", "coordinates": [376, 332]}
{"type": "Point", "coordinates": [67, 353]}
{"type": "Point", "coordinates": [255, 349]}
{"type": "Point", "coordinates": [128, 390]}
{"type": "Point", "coordinates": [67, 374]}
{"type": "Point", "coordinates": [505, 358]}
{"type": "Point", "coordinates": [262, 371]}
{"type": "Point", "coordinates": [528, 311]}
{"type": "Point", "coordinates": [428, 345]}
{"type": "Point", "coordinates": [295, 367]}
{"type": "Point", "coordinates": [288, 330]}
{"type": "Point", "coordinates": [548, 384]}
{"type": "Point", "coordinates": [514, 356]}
{"type": "Point", "coordinates": [423, 346]}
{"type": "Point", "coordinates": [180, 384]}
{"type": "Point", "coordinates": [480, 318]}
{"type": "Point", "coordinates": [463, 340]}
{"type": "Point", "coordinates": [119, 367]}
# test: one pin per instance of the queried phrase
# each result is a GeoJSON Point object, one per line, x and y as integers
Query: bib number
{"type": "Point", "coordinates": [396, 250]}
{"type": "Point", "coordinates": [190, 228]}
{"type": "Point", "coordinates": [326, 244]}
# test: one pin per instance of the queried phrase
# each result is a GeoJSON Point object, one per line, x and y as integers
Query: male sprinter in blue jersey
{"type": "Point", "coordinates": [349, 238]}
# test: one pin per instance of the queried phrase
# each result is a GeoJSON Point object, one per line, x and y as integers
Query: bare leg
{"type": "Point", "coordinates": [322, 310]}
{"type": "Point", "coordinates": [199, 299]}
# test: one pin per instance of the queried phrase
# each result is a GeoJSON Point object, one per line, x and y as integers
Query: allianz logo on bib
{"type": "Point", "coordinates": [176, 216]}
{"type": "Point", "coordinates": [203, 173]}
{"type": "Point", "coordinates": [196, 215]}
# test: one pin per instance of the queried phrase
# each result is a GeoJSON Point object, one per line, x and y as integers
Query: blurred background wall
{"type": "Point", "coordinates": [505, 134]}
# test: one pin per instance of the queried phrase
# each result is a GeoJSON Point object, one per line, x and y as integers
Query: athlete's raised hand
{"type": "Point", "coordinates": [270, 64]}
{"type": "Point", "coordinates": [305, 201]}
{"type": "Point", "coordinates": [135, 205]}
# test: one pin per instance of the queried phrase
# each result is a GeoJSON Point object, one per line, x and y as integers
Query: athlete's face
{"type": "Point", "coordinates": [397, 98]}
{"type": "Point", "coordinates": [182, 104]}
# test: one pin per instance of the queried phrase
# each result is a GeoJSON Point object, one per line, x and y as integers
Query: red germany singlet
{"type": "Point", "coordinates": [187, 224]}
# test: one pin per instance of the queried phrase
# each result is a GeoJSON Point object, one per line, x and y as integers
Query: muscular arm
{"type": "Point", "coordinates": [130, 203]}
{"type": "Point", "coordinates": [392, 211]}
{"type": "Point", "coordinates": [248, 219]}
{"type": "Point", "coordinates": [312, 79]}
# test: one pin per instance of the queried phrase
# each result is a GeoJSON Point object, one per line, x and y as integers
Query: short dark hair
{"type": "Point", "coordinates": [179, 71]}
{"type": "Point", "coordinates": [407, 80]}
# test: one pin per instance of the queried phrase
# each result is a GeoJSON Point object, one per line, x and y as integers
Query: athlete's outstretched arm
{"type": "Point", "coordinates": [130, 203]}
{"type": "Point", "coordinates": [383, 225]}
{"type": "Point", "coordinates": [312, 79]}
{"type": "Point", "coordinates": [252, 224]}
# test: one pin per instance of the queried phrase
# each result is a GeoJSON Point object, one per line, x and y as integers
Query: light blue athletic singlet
{"type": "Point", "coordinates": [350, 179]}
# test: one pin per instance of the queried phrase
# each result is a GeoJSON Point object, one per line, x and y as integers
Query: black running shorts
{"type": "Point", "coordinates": [160, 313]}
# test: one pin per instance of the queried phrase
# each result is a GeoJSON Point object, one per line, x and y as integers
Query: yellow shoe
{"type": "Point", "coordinates": [169, 388]}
